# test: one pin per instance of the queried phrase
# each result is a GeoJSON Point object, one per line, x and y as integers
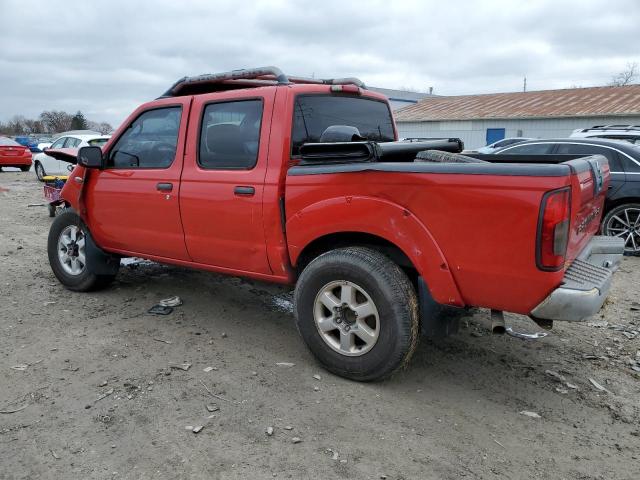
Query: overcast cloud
{"type": "Point", "coordinates": [106, 58]}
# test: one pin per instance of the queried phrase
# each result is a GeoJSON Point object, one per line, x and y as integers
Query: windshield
{"type": "Point", "coordinates": [314, 113]}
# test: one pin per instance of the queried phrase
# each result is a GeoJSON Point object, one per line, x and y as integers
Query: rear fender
{"type": "Point", "coordinates": [381, 218]}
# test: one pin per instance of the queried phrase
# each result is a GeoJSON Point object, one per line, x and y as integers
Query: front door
{"type": "Point", "coordinates": [494, 135]}
{"type": "Point", "coordinates": [132, 204]}
{"type": "Point", "coordinates": [223, 181]}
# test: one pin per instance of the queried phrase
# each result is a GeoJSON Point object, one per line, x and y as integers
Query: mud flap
{"type": "Point", "coordinates": [103, 263]}
{"type": "Point", "coordinates": [436, 320]}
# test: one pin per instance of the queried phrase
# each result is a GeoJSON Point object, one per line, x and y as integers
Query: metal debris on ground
{"type": "Point", "coordinates": [285, 364]}
{"type": "Point", "coordinates": [180, 366]}
{"type": "Point", "coordinates": [198, 429]}
{"type": "Point", "coordinates": [296, 440]}
{"type": "Point", "coordinates": [54, 454]}
{"type": "Point", "coordinates": [104, 395]}
{"type": "Point", "coordinates": [168, 342]}
{"type": "Point", "coordinates": [525, 336]}
{"type": "Point", "coordinates": [530, 414]}
{"type": "Point", "coordinates": [208, 369]}
{"type": "Point", "coordinates": [556, 375]}
{"type": "Point", "coordinates": [269, 431]}
{"type": "Point", "coordinates": [15, 410]}
{"type": "Point", "coordinates": [171, 302]}
{"type": "Point", "coordinates": [160, 310]}
{"type": "Point", "coordinates": [212, 407]}
{"type": "Point", "coordinates": [598, 386]}
{"type": "Point", "coordinates": [103, 383]}
{"type": "Point", "coordinates": [317, 377]}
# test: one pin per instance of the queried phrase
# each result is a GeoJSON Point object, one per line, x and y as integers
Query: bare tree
{"type": "Point", "coordinates": [105, 128]}
{"type": "Point", "coordinates": [56, 121]}
{"type": "Point", "coordinates": [625, 77]}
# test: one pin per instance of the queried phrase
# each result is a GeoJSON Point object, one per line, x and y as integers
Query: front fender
{"type": "Point", "coordinates": [383, 219]}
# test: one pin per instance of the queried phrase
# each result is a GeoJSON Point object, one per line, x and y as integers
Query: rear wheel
{"type": "Point", "coordinates": [358, 313]}
{"type": "Point", "coordinates": [40, 173]}
{"type": "Point", "coordinates": [623, 221]}
{"type": "Point", "coordinates": [68, 258]}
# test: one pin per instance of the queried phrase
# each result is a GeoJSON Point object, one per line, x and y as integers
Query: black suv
{"type": "Point", "coordinates": [622, 207]}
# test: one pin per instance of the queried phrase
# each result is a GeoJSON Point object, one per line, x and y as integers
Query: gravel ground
{"type": "Point", "coordinates": [91, 378]}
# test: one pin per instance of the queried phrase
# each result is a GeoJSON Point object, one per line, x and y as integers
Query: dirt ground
{"type": "Point", "coordinates": [96, 397]}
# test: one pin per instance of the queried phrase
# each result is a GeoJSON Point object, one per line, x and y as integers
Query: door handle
{"type": "Point", "coordinates": [164, 187]}
{"type": "Point", "coordinates": [244, 191]}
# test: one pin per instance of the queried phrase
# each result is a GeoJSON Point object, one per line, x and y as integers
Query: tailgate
{"type": "Point", "coordinates": [589, 183]}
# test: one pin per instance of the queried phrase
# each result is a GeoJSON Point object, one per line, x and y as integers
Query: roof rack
{"type": "Point", "coordinates": [612, 127]}
{"type": "Point", "coordinates": [251, 77]}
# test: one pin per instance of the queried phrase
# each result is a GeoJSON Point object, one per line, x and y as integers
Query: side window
{"type": "Point", "coordinates": [230, 135]}
{"type": "Point", "coordinates": [529, 149]}
{"type": "Point", "coordinates": [580, 149]}
{"type": "Point", "coordinates": [72, 142]}
{"type": "Point", "coordinates": [58, 143]}
{"type": "Point", "coordinates": [630, 165]}
{"type": "Point", "coordinates": [149, 142]}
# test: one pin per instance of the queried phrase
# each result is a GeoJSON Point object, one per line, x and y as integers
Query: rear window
{"type": "Point", "coordinates": [586, 149]}
{"type": "Point", "coordinates": [314, 113]}
{"type": "Point", "coordinates": [7, 142]}
{"type": "Point", "coordinates": [529, 149]}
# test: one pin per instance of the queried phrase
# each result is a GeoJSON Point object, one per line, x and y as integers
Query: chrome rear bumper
{"type": "Point", "coordinates": [586, 282]}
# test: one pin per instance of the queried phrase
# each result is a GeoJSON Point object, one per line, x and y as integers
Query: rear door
{"type": "Point", "coordinates": [133, 203]}
{"type": "Point", "coordinates": [222, 186]}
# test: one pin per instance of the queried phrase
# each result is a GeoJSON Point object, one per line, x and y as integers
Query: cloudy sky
{"type": "Point", "coordinates": [105, 58]}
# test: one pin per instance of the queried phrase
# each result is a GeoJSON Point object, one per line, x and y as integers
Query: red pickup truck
{"type": "Point", "coordinates": [302, 181]}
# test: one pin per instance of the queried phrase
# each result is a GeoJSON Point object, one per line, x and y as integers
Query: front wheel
{"type": "Point", "coordinates": [40, 173]}
{"type": "Point", "coordinates": [68, 257]}
{"type": "Point", "coordinates": [358, 313]}
{"type": "Point", "coordinates": [623, 221]}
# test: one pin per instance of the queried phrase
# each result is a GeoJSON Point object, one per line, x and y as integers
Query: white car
{"type": "Point", "coordinates": [44, 165]}
{"type": "Point", "coordinates": [625, 133]}
{"type": "Point", "coordinates": [505, 142]}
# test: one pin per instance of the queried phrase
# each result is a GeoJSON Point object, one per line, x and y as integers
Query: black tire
{"type": "Point", "coordinates": [52, 210]}
{"type": "Point", "coordinates": [85, 280]}
{"type": "Point", "coordinates": [25, 168]}
{"type": "Point", "coordinates": [393, 296]}
{"type": "Point", "coordinates": [40, 173]}
{"type": "Point", "coordinates": [611, 226]}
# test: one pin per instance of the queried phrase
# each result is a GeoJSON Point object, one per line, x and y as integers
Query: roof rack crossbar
{"type": "Point", "coordinates": [266, 74]}
{"type": "Point", "coordinates": [613, 127]}
{"type": "Point", "coordinates": [242, 74]}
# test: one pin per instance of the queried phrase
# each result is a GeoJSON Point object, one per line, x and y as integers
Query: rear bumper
{"type": "Point", "coordinates": [15, 161]}
{"type": "Point", "coordinates": [586, 282]}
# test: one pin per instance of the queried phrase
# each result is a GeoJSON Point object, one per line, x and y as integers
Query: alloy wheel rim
{"type": "Point", "coordinates": [71, 250]}
{"type": "Point", "coordinates": [346, 318]}
{"type": "Point", "coordinates": [626, 225]}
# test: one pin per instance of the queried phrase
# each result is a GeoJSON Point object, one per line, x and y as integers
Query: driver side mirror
{"type": "Point", "coordinates": [90, 157]}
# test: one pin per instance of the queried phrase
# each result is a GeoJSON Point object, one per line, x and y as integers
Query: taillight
{"type": "Point", "coordinates": [553, 229]}
{"type": "Point", "coordinates": [27, 150]}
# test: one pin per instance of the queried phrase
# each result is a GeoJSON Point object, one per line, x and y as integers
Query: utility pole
{"type": "Point", "coordinates": [524, 86]}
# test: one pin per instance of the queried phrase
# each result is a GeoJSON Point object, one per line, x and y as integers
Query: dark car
{"type": "Point", "coordinates": [622, 208]}
{"type": "Point", "coordinates": [28, 142]}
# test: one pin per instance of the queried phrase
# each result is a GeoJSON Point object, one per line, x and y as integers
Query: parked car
{"type": "Point", "coordinates": [12, 154]}
{"type": "Point", "coordinates": [625, 133]}
{"type": "Point", "coordinates": [29, 142]}
{"type": "Point", "coordinates": [505, 142]}
{"type": "Point", "coordinates": [256, 174]}
{"type": "Point", "coordinates": [622, 206]}
{"type": "Point", "coordinates": [44, 164]}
